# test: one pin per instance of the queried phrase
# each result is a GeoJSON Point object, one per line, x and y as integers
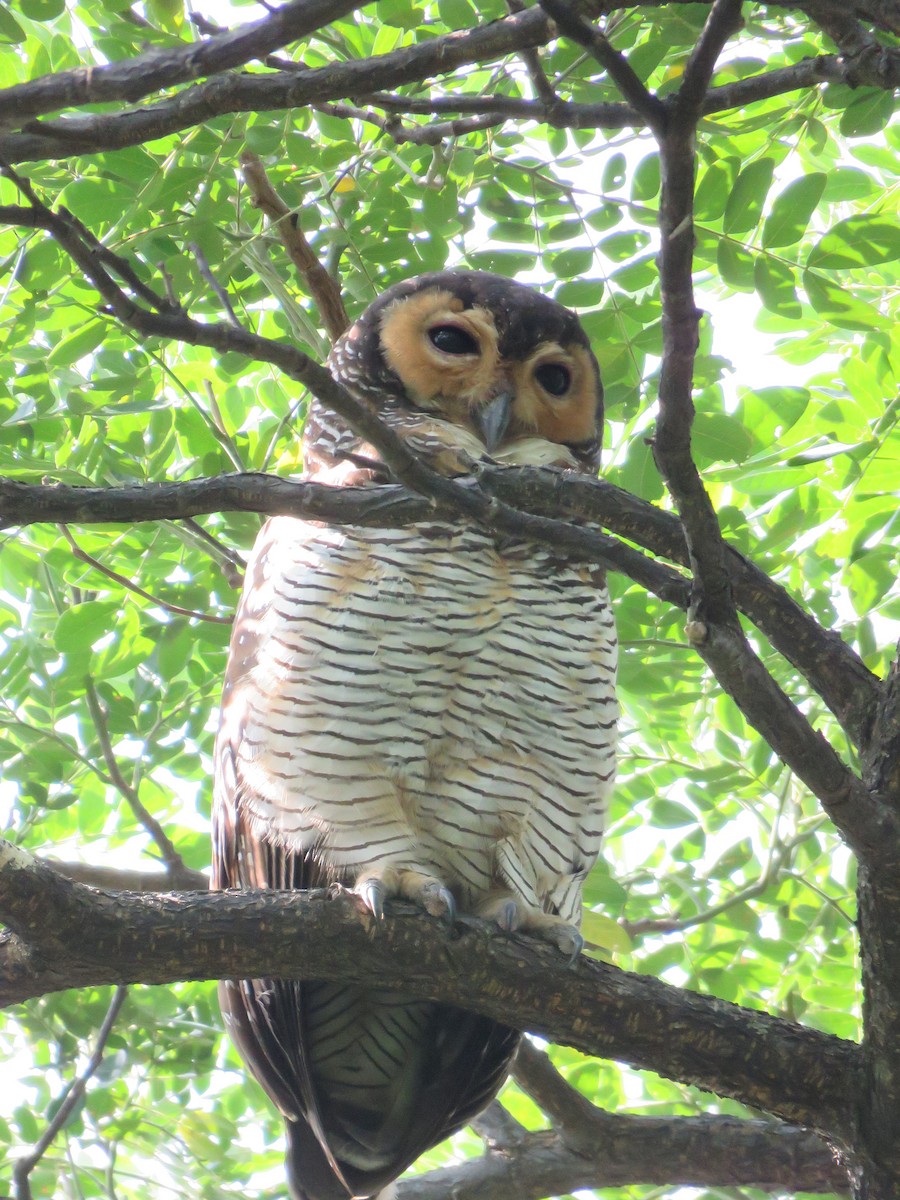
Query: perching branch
{"type": "Point", "coordinates": [804, 1076]}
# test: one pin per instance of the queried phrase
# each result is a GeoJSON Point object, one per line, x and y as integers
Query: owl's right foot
{"type": "Point", "coordinates": [377, 884]}
{"type": "Point", "coordinates": [513, 915]}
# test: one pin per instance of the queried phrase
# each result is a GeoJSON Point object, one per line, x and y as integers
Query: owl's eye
{"type": "Point", "coordinates": [450, 339]}
{"type": "Point", "coordinates": [554, 378]}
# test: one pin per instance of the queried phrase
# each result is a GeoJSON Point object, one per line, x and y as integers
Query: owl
{"type": "Point", "coordinates": [426, 712]}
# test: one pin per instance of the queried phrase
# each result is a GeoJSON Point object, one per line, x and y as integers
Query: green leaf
{"type": "Point", "coordinates": [714, 188]}
{"type": "Point", "coordinates": [79, 344]}
{"type": "Point", "coordinates": [737, 266]}
{"type": "Point", "coordinates": [867, 240]}
{"type": "Point", "coordinates": [619, 247]}
{"type": "Point", "coordinates": [748, 196]}
{"type": "Point", "coordinates": [787, 222]}
{"type": "Point", "coordinates": [10, 29]}
{"type": "Point", "coordinates": [571, 263]}
{"type": "Point", "coordinates": [839, 306]}
{"type": "Point", "coordinates": [457, 14]}
{"type": "Point", "coordinates": [867, 113]}
{"type": "Point", "coordinates": [82, 625]}
{"type": "Point", "coordinates": [42, 10]}
{"type": "Point", "coordinates": [719, 437]}
{"type": "Point", "coordinates": [777, 286]}
{"type": "Point", "coordinates": [600, 930]}
{"type": "Point", "coordinates": [613, 173]}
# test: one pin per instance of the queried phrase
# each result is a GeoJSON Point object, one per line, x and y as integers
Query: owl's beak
{"type": "Point", "coordinates": [492, 420]}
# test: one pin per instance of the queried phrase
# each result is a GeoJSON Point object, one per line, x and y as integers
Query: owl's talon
{"type": "Point", "coordinates": [373, 893]}
{"type": "Point", "coordinates": [570, 942]}
{"type": "Point", "coordinates": [508, 918]}
{"type": "Point", "coordinates": [438, 901]}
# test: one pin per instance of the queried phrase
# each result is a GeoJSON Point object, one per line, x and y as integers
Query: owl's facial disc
{"type": "Point", "coordinates": [501, 381]}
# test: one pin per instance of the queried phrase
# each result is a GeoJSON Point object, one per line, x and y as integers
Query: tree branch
{"type": "Point", "coordinates": [833, 669]}
{"type": "Point", "coordinates": [705, 1152]}
{"type": "Point", "coordinates": [615, 64]}
{"type": "Point", "coordinates": [325, 291]}
{"type": "Point", "coordinates": [799, 1074]}
{"type": "Point", "coordinates": [169, 854]}
{"type": "Point", "coordinates": [589, 1147]}
{"type": "Point", "coordinates": [133, 78]}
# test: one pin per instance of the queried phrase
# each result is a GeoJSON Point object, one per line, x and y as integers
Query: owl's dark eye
{"type": "Point", "coordinates": [554, 378]}
{"type": "Point", "coordinates": [450, 339]}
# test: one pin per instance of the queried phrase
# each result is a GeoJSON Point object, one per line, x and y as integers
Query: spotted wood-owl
{"type": "Point", "coordinates": [425, 712]}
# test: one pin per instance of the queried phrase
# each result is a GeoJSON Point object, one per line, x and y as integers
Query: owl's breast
{"type": "Point", "coordinates": [471, 681]}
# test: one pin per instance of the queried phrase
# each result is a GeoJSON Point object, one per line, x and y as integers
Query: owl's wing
{"type": "Point", "coordinates": [367, 1080]}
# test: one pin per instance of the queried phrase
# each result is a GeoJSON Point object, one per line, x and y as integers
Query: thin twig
{"type": "Point", "coordinates": [83, 556]}
{"type": "Point", "coordinates": [229, 561]}
{"type": "Point", "coordinates": [207, 273]}
{"type": "Point", "coordinates": [170, 855]}
{"type": "Point", "coordinates": [615, 64]}
{"type": "Point", "coordinates": [421, 135]}
{"type": "Point", "coordinates": [67, 1102]}
{"type": "Point", "coordinates": [533, 65]}
{"type": "Point", "coordinates": [325, 291]}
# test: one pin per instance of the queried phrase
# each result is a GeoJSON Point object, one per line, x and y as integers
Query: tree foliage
{"type": "Point", "coordinates": [407, 138]}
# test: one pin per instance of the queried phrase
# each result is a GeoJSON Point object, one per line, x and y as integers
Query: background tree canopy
{"type": "Point", "coordinates": [407, 137]}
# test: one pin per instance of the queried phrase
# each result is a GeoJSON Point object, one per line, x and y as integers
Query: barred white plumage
{"type": "Point", "coordinates": [427, 711]}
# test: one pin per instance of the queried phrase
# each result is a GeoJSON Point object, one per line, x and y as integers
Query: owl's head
{"type": "Point", "coordinates": [482, 352]}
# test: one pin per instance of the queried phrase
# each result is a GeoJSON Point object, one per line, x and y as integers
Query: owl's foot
{"type": "Point", "coordinates": [513, 915]}
{"type": "Point", "coordinates": [378, 884]}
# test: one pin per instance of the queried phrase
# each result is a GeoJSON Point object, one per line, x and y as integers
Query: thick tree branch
{"type": "Point", "coordinates": [62, 138]}
{"type": "Point", "coordinates": [705, 1152]}
{"type": "Point", "coordinates": [831, 666]}
{"type": "Point", "coordinates": [282, 89]}
{"type": "Point", "coordinates": [712, 600]}
{"type": "Point", "coordinates": [133, 78]}
{"type": "Point", "coordinates": [802, 1075]}
{"type": "Point", "coordinates": [591, 1148]}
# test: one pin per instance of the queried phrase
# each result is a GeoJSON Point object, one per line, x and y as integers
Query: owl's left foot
{"type": "Point", "coordinates": [513, 915]}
